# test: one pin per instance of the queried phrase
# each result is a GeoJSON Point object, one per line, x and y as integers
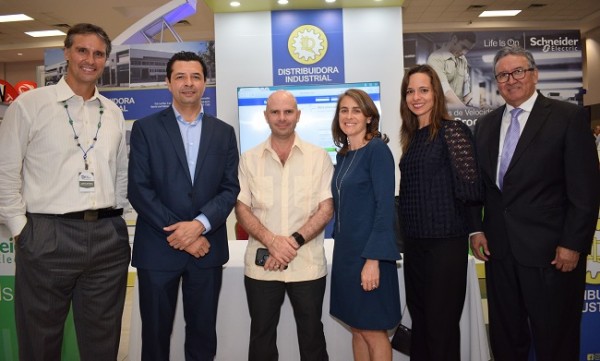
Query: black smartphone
{"type": "Point", "coordinates": [261, 256]}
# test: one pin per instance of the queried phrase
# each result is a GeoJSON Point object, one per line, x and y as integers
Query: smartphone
{"type": "Point", "coordinates": [261, 256]}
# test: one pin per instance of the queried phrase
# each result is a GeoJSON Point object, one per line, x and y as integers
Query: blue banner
{"type": "Point", "coordinates": [308, 47]}
{"type": "Point", "coordinates": [136, 103]}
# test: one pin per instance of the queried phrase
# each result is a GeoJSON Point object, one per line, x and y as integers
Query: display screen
{"type": "Point", "coordinates": [316, 102]}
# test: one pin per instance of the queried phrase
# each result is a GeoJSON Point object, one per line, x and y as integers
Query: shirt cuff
{"type": "Point", "coordinates": [202, 219]}
{"type": "Point", "coordinates": [16, 224]}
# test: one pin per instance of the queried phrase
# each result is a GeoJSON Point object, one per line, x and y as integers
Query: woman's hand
{"type": "Point", "coordinates": [369, 277]}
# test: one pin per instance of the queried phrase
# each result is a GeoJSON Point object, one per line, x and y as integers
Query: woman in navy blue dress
{"type": "Point", "coordinates": [364, 278]}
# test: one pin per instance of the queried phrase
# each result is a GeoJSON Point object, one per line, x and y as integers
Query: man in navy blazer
{"type": "Point", "coordinates": [539, 218]}
{"type": "Point", "coordinates": [183, 184]}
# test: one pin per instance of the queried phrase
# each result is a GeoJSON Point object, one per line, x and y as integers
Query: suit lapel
{"type": "Point", "coordinates": [205, 140]}
{"type": "Point", "coordinates": [537, 118]}
{"type": "Point", "coordinates": [174, 134]}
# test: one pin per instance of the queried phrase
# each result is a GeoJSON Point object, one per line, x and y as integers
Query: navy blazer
{"type": "Point", "coordinates": [551, 188]}
{"type": "Point", "coordinates": [160, 188]}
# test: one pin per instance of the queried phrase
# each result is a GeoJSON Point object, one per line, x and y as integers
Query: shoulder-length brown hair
{"type": "Point", "coordinates": [368, 109]}
{"type": "Point", "coordinates": [410, 122]}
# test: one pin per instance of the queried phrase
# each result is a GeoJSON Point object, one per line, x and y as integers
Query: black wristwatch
{"type": "Point", "coordinates": [299, 239]}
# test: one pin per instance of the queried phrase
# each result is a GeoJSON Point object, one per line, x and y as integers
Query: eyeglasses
{"type": "Point", "coordinates": [516, 74]}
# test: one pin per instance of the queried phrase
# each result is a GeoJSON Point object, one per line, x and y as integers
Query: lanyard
{"type": "Point", "coordinates": [76, 136]}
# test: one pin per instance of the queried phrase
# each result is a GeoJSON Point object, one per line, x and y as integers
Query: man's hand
{"type": "Point", "coordinates": [199, 247]}
{"type": "Point", "coordinates": [565, 259]}
{"type": "Point", "coordinates": [479, 246]}
{"type": "Point", "coordinates": [271, 264]}
{"type": "Point", "coordinates": [184, 233]}
{"type": "Point", "coordinates": [283, 250]}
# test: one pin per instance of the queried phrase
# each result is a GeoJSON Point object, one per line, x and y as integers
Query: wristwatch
{"type": "Point", "coordinates": [299, 239]}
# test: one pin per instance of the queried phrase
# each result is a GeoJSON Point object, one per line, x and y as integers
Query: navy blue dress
{"type": "Point", "coordinates": [363, 191]}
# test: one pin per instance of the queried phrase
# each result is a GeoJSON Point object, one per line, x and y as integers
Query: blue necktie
{"type": "Point", "coordinates": [510, 143]}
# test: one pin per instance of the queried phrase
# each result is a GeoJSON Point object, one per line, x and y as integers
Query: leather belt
{"type": "Point", "coordinates": [89, 215]}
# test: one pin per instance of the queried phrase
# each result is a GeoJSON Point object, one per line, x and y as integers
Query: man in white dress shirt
{"type": "Point", "coordinates": [452, 68]}
{"type": "Point", "coordinates": [63, 183]}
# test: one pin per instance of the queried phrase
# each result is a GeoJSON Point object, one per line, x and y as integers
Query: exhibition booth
{"type": "Point", "coordinates": [366, 46]}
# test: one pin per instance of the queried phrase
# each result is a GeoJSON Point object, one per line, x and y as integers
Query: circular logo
{"type": "Point", "coordinates": [307, 44]}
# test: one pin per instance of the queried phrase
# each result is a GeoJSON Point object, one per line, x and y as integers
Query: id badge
{"type": "Point", "coordinates": [86, 182]}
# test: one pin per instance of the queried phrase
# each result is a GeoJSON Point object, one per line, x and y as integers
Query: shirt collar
{"type": "Point", "coordinates": [526, 106]}
{"type": "Point", "coordinates": [64, 91]}
{"type": "Point", "coordinates": [445, 54]}
{"type": "Point", "coordinates": [180, 119]}
{"type": "Point", "coordinates": [298, 144]}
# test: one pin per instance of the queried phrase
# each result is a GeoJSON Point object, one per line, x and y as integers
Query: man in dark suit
{"type": "Point", "coordinates": [183, 183]}
{"type": "Point", "coordinates": [540, 210]}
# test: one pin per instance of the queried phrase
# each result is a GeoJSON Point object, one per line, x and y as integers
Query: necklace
{"type": "Point", "coordinates": [76, 136]}
{"type": "Point", "coordinates": [357, 148]}
{"type": "Point", "coordinates": [338, 185]}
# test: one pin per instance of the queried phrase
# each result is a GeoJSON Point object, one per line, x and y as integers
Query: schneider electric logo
{"type": "Point", "coordinates": [307, 44]}
{"type": "Point", "coordinates": [562, 43]}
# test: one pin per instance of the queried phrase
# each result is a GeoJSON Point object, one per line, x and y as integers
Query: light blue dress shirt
{"type": "Point", "coordinates": [190, 134]}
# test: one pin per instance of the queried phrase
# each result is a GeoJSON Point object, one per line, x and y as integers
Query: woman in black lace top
{"type": "Point", "coordinates": [439, 179]}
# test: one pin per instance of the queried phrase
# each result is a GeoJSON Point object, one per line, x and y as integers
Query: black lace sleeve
{"type": "Point", "coordinates": [465, 170]}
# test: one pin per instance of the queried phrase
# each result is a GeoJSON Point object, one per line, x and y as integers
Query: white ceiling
{"type": "Point", "coordinates": [418, 16]}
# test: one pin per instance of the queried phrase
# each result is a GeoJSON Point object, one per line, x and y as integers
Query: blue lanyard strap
{"type": "Point", "coordinates": [76, 136]}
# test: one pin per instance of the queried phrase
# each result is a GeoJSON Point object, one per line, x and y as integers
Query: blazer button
{"type": "Point", "coordinates": [190, 194]}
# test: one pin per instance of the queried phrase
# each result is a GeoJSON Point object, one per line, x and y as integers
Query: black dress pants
{"type": "Point", "coordinates": [534, 306]}
{"type": "Point", "coordinates": [264, 302]}
{"type": "Point", "coordinates": [435, 272]}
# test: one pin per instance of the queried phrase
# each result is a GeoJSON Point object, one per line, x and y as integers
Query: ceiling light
{"type": "Point", "coordinates": [14, 17]}
{"type": "Point", "coordinates": [329, 1]}
{"type": "Point", "coordinates": [497, 13]}
{"type": "Point", "coordinates": [234, 4]}
{"type": "Point", "coordinates": [282, 2]}
{"type": "Point", "coordinates": [45, 33]}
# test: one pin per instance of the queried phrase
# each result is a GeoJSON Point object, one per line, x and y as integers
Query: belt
{"type": "Point", "coordinates": [89, 215]}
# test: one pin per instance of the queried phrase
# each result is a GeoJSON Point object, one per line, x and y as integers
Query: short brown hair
{"type": "Point", "coordinates": [85, 28]}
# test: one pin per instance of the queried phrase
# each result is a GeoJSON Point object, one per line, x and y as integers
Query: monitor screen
{"type": "Point", "coordinates": [316, 102]}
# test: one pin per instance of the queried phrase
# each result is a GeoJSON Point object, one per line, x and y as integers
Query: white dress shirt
{"type": "Point", "coordinates": [40, 161]}
{"type": "Point", "coordinates": [527, 106]}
